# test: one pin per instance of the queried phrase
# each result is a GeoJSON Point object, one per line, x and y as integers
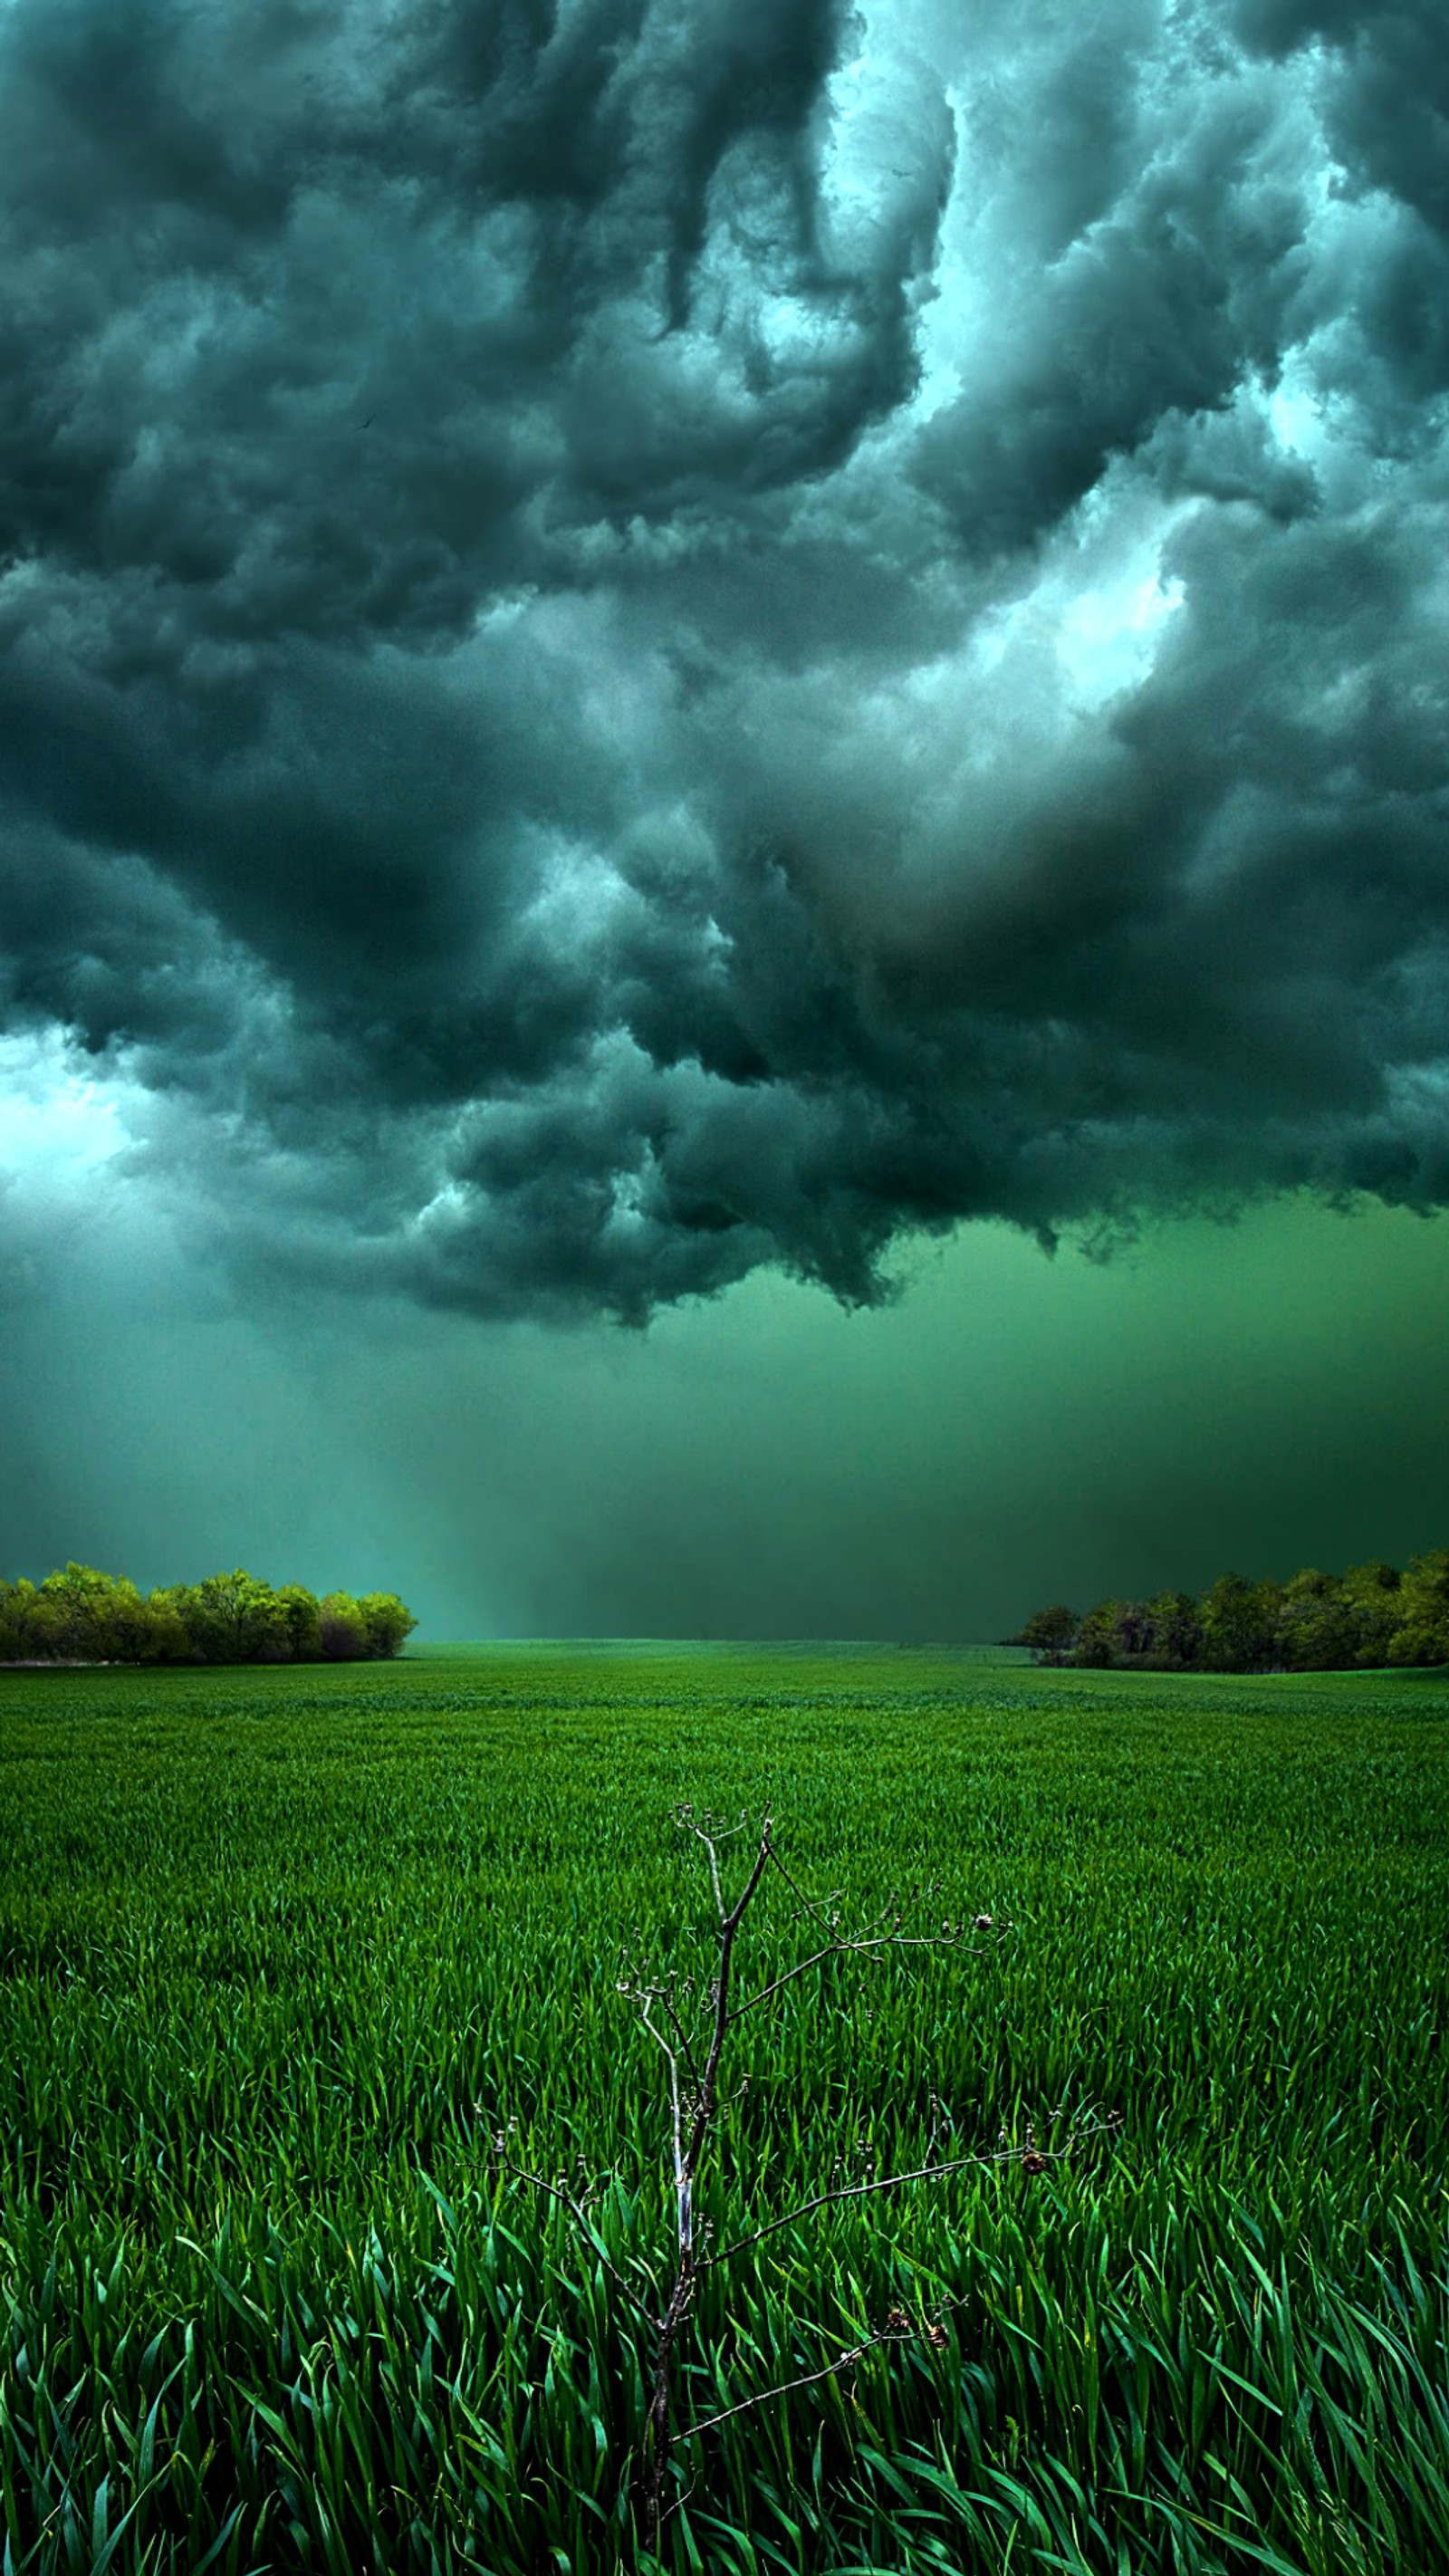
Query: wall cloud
{"type": "Point", "coordinates": [640, 639]}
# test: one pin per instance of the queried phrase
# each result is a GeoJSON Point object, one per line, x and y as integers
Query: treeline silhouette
{"type": "Point", "coordinates": [1372, 1615]}
{"type": "Point", "coordinates": [78, 1615]}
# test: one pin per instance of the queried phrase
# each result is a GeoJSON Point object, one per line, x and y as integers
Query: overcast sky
{"type": "Point", "coordinates": [681, 678]}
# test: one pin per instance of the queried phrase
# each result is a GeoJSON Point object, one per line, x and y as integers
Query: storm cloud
{"type": "Point", "coordinates": [644, 638]}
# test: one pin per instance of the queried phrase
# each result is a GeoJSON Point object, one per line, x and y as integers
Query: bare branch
{"type": "Point", "coordinates": [644, 2002]}
{"type": "Point", "coordinates": [683, 2175]}
{"type": "Point", "coordinates": [712, 1852]}
{"type": "Point", "coordinates": [889, 1914]}
{"type": "Point", "coordinates": [1033, 2158]}
{"type": "Point", "coordinates": [871, 1943]}
{"type": "Point", "coordinates": [747, 1893]}
{"type": "Point", "coordinates": [686, 2046]}
{"type": "Point", "coordinates": [708, 1827]}
{"type": "Point", "coordinates": [787, 1979]}
{"type": "Point", "coordinates": [811, 2379]}
{"type": "Point", "coordinates": [811, 1905]}
{"type": "Point", "coordinates": [689, 2021]}
{"type": "Point", "coordinates": [709, 1831]}
{"type": "Point", "coordinates": [584, 2224]}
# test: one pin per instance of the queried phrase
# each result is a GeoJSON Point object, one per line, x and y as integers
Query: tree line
{"type": "Point", "coordinates": [78, 1615]}
{"type": "Point", "coordinates": [1372, 1615]}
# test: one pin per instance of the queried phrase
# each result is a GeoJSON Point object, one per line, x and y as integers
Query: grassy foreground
{"type": "Point", "coordinates": [279, 1950]}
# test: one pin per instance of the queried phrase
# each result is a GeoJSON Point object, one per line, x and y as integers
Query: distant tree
{"type": "Point", "coordinates": [1368, 1617]}
{"type": "Point", "coordinates": [166, 1639]}
{"type": "Point", "coordinates": [133, 1636]}
{"type": "Point", "coordinates": [44, 1623]}
{"type": "Point", "coordinates": [17, 1604]}
{"type": "Point", "coordinates": [167, 1605]}
{"type": "Point", "coordinates": [344, 1635]}
{"type": "Point", "coordinates": [1097, 1636]}
{"type": "Point", "coordinates": [386, 1622]}
{"type": "Point", "coordinates": [1164, 1633]}
{"type": "Point", "coordinates": [234, 1619]}
{"type": "Point", "coordinates": [81, 1613]}
{"type": "Point", "coordinates": [1240, 1625]}
{"type": "Point", "coordinates": [1132, 1633]}
{"type": "Point", "coordinates": [303, 1622]}
{"type": "Point", "coordinates": [1176, 1631]}
{"type": "Point", "coordinates": [1422, 1635]}
{"type": "Point", "coordinates": [1318, 1631]}
{"type": "Point", "coordinates": [1050, 1633]}
{"type": "Point", "coordinates": [1373, 1594]}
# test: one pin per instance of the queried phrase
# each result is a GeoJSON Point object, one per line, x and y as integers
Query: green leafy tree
{"type": "Point", "coordinates": [44, 1624]}
{"type": "Point", "coordinates": [167, 1639]}
{"type": "Point", "coordinates": [84, 1613]}
{"type": "Point", "coordinates": [1050, 1633]}
{"type": "Point", "coordinates": [1097, 1636]}
{"type": "Point", "coordinates": [1318, 1631]}
{"type": "Point", "coordinates": [386, 1621]}
{"type": "Point", "coordinates": [17, 1621]}
{"type": "Point", "coordinates": [81, 1614]}
{"type": "Point", "coordinates": [1176, 1631]}
{"type": "Point", "coordinates": [344, 1635]}
{"type": "Point", "coordinates": [1373, 1594]}
{"type": "Point", "coordinates": [1132, 1633]}
{"type": "Point", "coordinates": [1240, 1625]}
{"type": "Point", "coordinates": [303, 1623]}
{"type": "Point", "coordinates": [1422, 1635]}
{"type": "Point", "coordinates": [233, 1619]}
{"type": "Point", "coordinates": [133, 1635]}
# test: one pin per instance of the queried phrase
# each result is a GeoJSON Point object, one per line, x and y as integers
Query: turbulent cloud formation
{"type": "Point", "coordinates": [641, 638]}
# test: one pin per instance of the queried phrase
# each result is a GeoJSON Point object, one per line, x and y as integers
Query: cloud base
{"type": "Point", "coordinates": [640, 643]}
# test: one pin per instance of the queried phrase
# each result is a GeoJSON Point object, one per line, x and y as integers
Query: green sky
{"type": "Point", "coordinates": [1264, 1394]}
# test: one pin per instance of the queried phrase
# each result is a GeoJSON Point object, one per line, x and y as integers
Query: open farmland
{"type": "Point", "coordinates": [280, 1950]}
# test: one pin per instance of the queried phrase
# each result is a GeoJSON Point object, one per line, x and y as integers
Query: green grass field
{"type": "Point", "coordinates": [280, 1950]}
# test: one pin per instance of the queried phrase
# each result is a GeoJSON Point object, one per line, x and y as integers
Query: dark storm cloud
{"type": "Point", "coordinates": [640, 639]}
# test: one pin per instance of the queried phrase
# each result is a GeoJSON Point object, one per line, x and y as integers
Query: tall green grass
{"type": "Point", "coordinates": [279, 1950]}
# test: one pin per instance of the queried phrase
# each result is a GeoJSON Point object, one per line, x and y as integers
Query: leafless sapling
{"type": "Point", "coordinates": [690, 2022]}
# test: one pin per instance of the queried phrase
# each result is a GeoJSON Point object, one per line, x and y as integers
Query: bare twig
{"type": "Point", "coordinates": [812, 1905]}
{"type": "Point", "coordinates": [689, 2125]}
{"type": "Point", "coordinates": [692, 2058]}
{"type": "Point", "coordinates": [810, 2379]}
{"type": "Point", "coordinates": [685, 2045]}
{"type": "Point", "coordinates": [582, 2221]}
{"type": "Point", "coordinates": [1032, 2157]}
{"type": "Point", "coordinates": [870, 1943]}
